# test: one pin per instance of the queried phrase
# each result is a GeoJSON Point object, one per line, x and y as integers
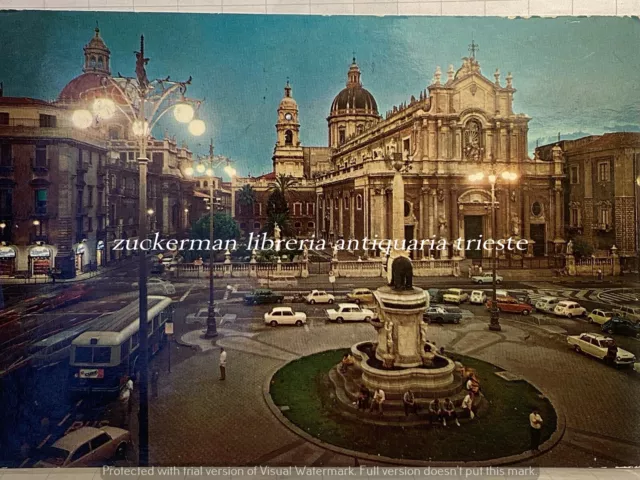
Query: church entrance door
{"type": "Point", "coordinates": [408, 236]}
{"type": "Point", "coordinates": [538, 236]}
{"type": "Point", "coordinates": [473, 231]}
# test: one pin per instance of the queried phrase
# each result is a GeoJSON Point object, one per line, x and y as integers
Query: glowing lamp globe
{"type": "Point", "coordinates": [209, 172]}
{"type": "Point", "coordinates": [197, 127]}
{"type": "Point", "coordinates": [183, 112]}
{"type": "Point", "coordinates": [229, 170]}
{"type": "Point", "coordinates": [82, 118]}
{"type": "Point", "coordinates": [200, 168]}
{"type": "Point", "coordinates": [140, 128]}
{"type": "Point", "coordinates": [150, 211]}
{"type": "Point", "coordinates": [188, 171]}
{"type": "Point", "coordinates": [104, 108]}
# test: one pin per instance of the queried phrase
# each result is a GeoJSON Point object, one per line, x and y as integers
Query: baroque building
{"type": "Point", "coordinates": [601, 190]}
{"type": "Point", "coordinates": [462, 123]}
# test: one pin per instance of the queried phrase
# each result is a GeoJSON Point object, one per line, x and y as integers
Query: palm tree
{"type": "Point", "coordinates": [247, 197]}
{"type": "Point", "coordinates": [282, 219]}
{"type": "Point", "coordinates": [283, 184]}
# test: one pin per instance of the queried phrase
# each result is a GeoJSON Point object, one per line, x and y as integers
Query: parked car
{"type": "Point", "coordinates": [630, 312]}
{"type": "Point", "coordinates": [440, 314]}
{"type": "Point", "coordinates": [350, 312]}
{"type": "Point", "coordinates": [600, 316]}
{"type": "Point", "coordinates": [622, 326]}
{"type": "Point", "coordinates": [569, 309]}
{"type": "Point", "coordinates": [284, 316]}
{"type": "Point", "coordinates": [435, 295]}
{"type": "Point", "coordinates": [486, 278]}
{"type": "Point", "coordinates": [360, 295]}
{"type": "Point", "coordinates": [598, 346]}
{"type": "Point", "coordinates": [521, 297]}
{"type": "Point", "coordinates": [157, 286]}
{"type": "Point", "coordinates": [200, 316]}
{"type": "Point", "coordinates": [510, 305]}
{"type": "Point", "coordinates": [455, 295]}
{"type": "Point", "coordinates": [478, 297]}
{"type": "Point", "coordinates": [262, 295]}
{"type": "Point", "coordinates": [86, 446]}
{"type": "Point", "coordinates": [298, 298]}
{"type": "Point", "coordinates": [320, 296]}
{"type": "Point", "coordinates": [547, 304]}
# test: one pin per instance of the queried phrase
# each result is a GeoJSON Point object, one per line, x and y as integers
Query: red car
{"type": "Point", "coordinates": [68, 296]}
{"type": "Point", "coordinates": [510, 305]}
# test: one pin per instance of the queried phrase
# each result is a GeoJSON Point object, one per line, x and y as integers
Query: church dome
{"type": "Point", "coordinates": [75, 88]}
{"type": "Point", "coordinates": [354, 98]}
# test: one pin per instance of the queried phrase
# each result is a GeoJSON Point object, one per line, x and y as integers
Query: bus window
{"type": "Point", "coordinates": [124, 350]}
{"type": "Point", "coordinates": [155, 324]}
{"type": "Point", "coordinates": [82, 355]}
{"type": "Point", "coordinates": [135, 340]}
{"type": "Point", "coordinates": [102, 355]}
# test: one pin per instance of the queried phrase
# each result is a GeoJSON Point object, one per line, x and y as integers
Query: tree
{"type": "Point", "coordinates": [582, 247]}
{"type": "Point", "coordinates": [277, 204]}
{"type": "Point", "coordinates": [283, 184]}
{"type": "Point", "coordinates": [224, 227]}
{"type": "Point", "coordinates": [247, 198]}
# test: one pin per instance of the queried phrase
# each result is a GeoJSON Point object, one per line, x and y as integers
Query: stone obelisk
{"type": "Point", "coordinates": [397, 200]}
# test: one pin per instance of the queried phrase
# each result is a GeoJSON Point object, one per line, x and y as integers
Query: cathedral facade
{"type": "Point", "coordinates": [462, 124]}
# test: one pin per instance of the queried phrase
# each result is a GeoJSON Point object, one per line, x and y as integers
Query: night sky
{"type": "Point", "coordinates": [574, 75]}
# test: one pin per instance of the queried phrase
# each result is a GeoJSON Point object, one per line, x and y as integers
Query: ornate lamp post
{"type": "Point", "coordinates": [493, 178]}
{"type": "Point", "coordinates": [205, 169]}
{"type": "Point", "coordinates": [142, 103]}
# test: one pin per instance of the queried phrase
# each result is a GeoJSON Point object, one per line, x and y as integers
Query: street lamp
{"type": "Point", "coordinates": [205, 168]}
{"type": "Point", "coordinates": [507, 176]}
{"type": "Point", "coordinates": [142, 103]}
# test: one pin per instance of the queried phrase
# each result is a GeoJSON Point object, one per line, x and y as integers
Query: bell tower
{"type": "Point", "coordinates": [287, 154]}
{"type": "Point", "coordinates": [97, 55]}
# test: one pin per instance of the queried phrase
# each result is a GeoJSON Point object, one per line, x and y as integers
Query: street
{"type": "Point", "coordinates": [534, 344]}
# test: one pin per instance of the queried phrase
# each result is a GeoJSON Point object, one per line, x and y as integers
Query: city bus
{"type": "Point", "coordinates": [102, 357]}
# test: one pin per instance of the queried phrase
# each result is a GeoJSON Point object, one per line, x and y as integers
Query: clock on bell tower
{"type": "Point", "coordinates": [287, 154]}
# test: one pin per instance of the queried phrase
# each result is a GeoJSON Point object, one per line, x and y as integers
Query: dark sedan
{"type": "Point", "coordinates": [622, 326]}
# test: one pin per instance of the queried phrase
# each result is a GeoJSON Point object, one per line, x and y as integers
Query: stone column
{"type": "Point", "coordinates": [319, 217]}
{"type": "Point", "coordinates": [352, 215]}
{"type": "Point", "coordinates": [366, 208]}
{"type": "Point", "coordinates": [432, 211]}
{"type": "Point", "coordinates": [397, 229]}
{"type": "Point", "coordinates": [384, 215]}
{"type": "Point", "coordinates": [453, 214]}
{"type": "Point", "coordinates": [558, 212]}
{"type": "Point", "coordinates": [341, 215]}
{"type": "Point", "coordinates": [331, 210]}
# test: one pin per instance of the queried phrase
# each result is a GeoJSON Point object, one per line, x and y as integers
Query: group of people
{"type": "Point", "coordinates": [438, 412]}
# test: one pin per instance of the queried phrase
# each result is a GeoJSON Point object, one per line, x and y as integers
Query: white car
{"type": "Point", "coordinates": [547, 304]}
{"type": "Point", "coordinates": [319, 296]}
{"type": "Point", "coordinates": [157, 286]}
{"type": "Point", "coordinates": [569, 309]}
{"type": "Point", "coordinates": [350, 312]}
{"type": "Point", "coordinates": [486, 278]}
{"type": "Point", "coordinates": [200, 316]}
{"type": "Point", "coordinates": [598, 345]}
{"type": "Point", "coordinates": [86, 446]}
{"type": "Point", "coordinates": [478, 297]}
{"type": "Point", "coordinates": [285, 316]}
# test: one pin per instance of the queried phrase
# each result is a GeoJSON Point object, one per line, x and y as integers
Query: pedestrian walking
{"type": "Point", "coordinates": [154, 382]}
{"type": "Point", "coordinates": [223, 364]}
{"type": "Point", "coordinates": [535, 422]}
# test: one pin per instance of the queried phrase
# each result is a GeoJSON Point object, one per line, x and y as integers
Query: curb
{"type": "Point", "coordinates": [555, 438]}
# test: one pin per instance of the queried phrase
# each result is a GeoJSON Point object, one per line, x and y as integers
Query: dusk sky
{"type": "Point", "coordinates": [573, 75]}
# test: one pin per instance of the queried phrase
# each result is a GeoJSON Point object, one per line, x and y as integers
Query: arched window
{"type": "Point", "coordinates": [92, 62]}
{"type": "Point", "coordinates": [360, 129]}
{"type": "Point", "coordinates": [359, 202]}
{"type": "Point", "coordinates": [205, 183]}
{"type": "Point", "coordinates": [297, 224]}
{"type": "Point", "coordinates": [342, 135]}
{"type": "Point", "coordinates": [288, 137]}
{"type": "Point", "coordinates": [311, 225]}
{"type": "Point", "coordinates": [256, 225]}
{"type": "Point", "coordinates": [100, 62]}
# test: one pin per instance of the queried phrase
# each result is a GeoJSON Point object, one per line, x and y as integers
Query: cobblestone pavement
{"type": "Point", "coordinates": [200, 420]}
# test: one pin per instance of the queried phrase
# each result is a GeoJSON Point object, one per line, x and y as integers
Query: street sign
{"type": "Point", "coordinates": [168, 328]}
